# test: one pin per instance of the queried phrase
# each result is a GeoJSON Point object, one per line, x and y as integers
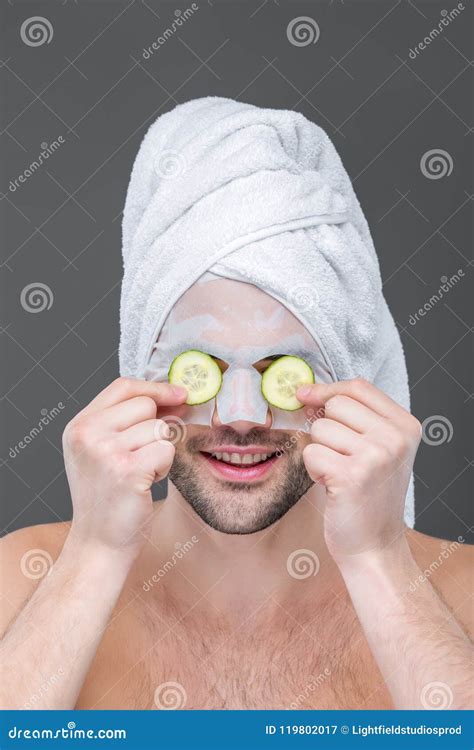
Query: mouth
{"type": "Point", "coordinates": [238, 464]}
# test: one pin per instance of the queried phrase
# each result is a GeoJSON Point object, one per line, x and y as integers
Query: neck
{"type": "Point", "coordinates": [187, 561]}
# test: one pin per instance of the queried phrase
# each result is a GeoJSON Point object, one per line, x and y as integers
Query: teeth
{"type": "Point", "coordinates": [238, 458]}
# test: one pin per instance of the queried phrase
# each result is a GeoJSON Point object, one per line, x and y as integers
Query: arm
{"type": "Point", "coordinates": [54, 639]}
{"type": "Point", "coordinates": [113, 453]}
{"type": "Point", "coordinates": [363, 451]}
{"type": "Point", "coordinates": [422, 652]}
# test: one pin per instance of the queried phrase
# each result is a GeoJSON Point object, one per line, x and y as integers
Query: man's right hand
{"type": "Point", "coordinates": [114, 450]}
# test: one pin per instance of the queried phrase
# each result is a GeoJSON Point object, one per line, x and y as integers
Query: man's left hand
{"type": "Point", "coordinates": [363, 448]}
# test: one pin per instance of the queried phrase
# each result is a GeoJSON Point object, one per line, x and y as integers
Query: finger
{"type": "Point", "coordinates": [352, 414]}
{"type": "Point", "coordinates": [141, 434]}
{"type": "Point", "coordinates": [359, 390]}
{"type": "Point", "coordinates": [322, 463]}
{"type": "Point", "coordinates": [335, 435]}
{"type": "Point", "coordinates": [155, 459]}
{"type": "Point", "coordinates": [123, 389]}
{"type": "Point", "coordinates": [130, 412]}
{"type": "Point", "coordinates": [181, 411]}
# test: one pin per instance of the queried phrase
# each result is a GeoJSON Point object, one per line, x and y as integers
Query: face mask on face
{"type": "Point", "coordinates": [240, 334]}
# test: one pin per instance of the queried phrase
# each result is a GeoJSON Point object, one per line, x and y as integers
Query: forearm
{"type": "Point", "coordinates": [414, 638]}
{"type": "Point", "coordinates": [47, 651]}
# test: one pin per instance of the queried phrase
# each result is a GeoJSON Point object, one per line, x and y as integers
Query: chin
{"type": "Point", "coordinates": [238, 523]}
{"type": "Point", "coordinates": [238, 508]}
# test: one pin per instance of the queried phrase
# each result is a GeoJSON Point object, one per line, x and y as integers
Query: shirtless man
{"type": "Point", "coordinates": [299, 587]}
{"type": "Point", "coordinates": [291, 583]}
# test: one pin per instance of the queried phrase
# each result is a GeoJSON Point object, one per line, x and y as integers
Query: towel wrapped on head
{"type": "Point", "coordinates": [261, 196]}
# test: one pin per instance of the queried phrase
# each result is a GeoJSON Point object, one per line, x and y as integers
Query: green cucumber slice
{"type": "Point", "coordinates": [281, 379]}
{"type": "Point", "coordinates": [198, 373]}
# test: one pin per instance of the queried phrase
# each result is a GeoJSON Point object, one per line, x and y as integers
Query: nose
{"type": "Point", "coordinates": [240, 403]}
{"type": "Point", "coordinates": [242, 426]}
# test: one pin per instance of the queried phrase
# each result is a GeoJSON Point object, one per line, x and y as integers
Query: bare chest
{"type": "Point", "coordinates": [292, 664]}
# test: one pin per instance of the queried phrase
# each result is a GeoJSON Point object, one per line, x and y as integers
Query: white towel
{"type": "Point", "coordinates": [258, 195]}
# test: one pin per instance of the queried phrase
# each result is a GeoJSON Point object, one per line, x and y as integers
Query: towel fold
{"type": "Point", "coordinates": [261, 196]}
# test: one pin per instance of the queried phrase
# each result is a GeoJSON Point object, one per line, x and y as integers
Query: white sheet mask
{"type": "Point", "coordinates": [240, 325]}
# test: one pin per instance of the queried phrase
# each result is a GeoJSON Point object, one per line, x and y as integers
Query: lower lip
{"type": "Point", "coordinates": [240, 473]}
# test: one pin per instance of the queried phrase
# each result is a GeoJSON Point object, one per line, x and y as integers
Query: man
{"type": "Point", "coordinates": [278, 573]}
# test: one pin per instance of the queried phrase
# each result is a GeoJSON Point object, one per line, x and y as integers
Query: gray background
{"type": "Point", "coordinates": [91, 85]}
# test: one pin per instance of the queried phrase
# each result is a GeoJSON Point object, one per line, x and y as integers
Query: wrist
{"type": "Point", "coordinates": [392, 558]}
{"type": "Point", "coordinates": [381, 575]}
{"type": "Point", "coordinates": [95, 558]}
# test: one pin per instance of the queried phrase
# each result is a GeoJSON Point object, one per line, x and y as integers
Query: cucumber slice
{"type": "Point", "coordinates": [281, 379]}
{"type": "Point", "coordinates": [198, 373]}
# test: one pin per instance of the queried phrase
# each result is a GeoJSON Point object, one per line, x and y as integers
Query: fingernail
{"type": "Point", "coordinates": [178, 390]}
{"type": "Point", "coordinates": [303, 390]}
{"type": "Point", "coordinates": [163, 429]}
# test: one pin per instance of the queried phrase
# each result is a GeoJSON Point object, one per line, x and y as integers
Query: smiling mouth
{"type": "Point", "coordinates": [242, 459]}
{"type": "Point", "coordinates": [242, 465]}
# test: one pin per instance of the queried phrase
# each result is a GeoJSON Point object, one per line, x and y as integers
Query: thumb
{"type": "Point", "coordinates": [322, 464]}
{"type": "Point", "coordinates": [318, 393]}
{"type": "Point", "coordinates": [155, 459]}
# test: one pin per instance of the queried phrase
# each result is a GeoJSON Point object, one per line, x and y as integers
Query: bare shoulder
{"type": "Point", "coordinates": [448, 565]}
{"type": "Point", "coordinates": [26, 555]}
